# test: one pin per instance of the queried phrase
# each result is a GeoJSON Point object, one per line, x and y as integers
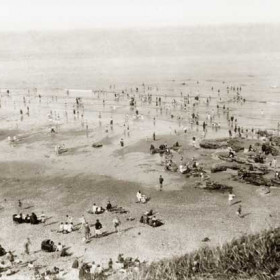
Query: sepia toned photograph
{"type": "Point", "coordinates": [139, 140]}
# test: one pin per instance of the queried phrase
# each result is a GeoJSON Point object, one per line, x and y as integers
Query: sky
{"type": "Point", "coordinates": [25, 15]}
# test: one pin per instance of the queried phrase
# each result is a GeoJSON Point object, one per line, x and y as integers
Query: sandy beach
{"type": "Point", "coordinates": [69, 183]}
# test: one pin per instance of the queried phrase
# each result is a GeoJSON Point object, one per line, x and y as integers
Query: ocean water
{"type": "Point", "coordinates": [246, 55]}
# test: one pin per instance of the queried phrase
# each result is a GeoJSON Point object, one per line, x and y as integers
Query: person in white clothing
{"type": "Point", "coordinates": [69, 227]}
{"type": "Point", "coordinates": [139, 196]}
{"type": "Point", "coordinates": [94, 208]}
{"type": "Point", "coordinates": [231, 197]}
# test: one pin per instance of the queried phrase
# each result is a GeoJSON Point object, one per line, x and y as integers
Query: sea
{"type": "Point", "coordinates": [216, 55]}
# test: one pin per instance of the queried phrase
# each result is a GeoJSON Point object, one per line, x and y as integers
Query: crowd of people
{"type": "Point", "coordinates": [192, 113]}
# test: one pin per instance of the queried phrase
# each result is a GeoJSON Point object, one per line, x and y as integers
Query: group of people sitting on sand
{"type": "Point", "coordinates": [54, 273]}
{"type": "Point", "coordinates": [7, 267]}
{"type": "Point", "coordinates": [66, 227]}
{"type": "Point", "coordinates": [12, 140]}
{"type": "Point", "coordinates": [97, 209]}
{"type": "Point", "coordinates": [32, 219]}
{"type": "Point", "coordinates": [59, 149]}
{"type": "Point", "coordinates": [191, 165]}
{"type": "Point", "coordinates": [141, 198]}
{"type": "Point", "coordinates": [163, 148]}
{"type": "Point", "coordinates": [48, 245]}
{"type": "Point", "coordinates": [109, 208]}
{"type": "Point", "coordinates": [168, 162]}
{"type": "Point", "coordinates": [150, 219]}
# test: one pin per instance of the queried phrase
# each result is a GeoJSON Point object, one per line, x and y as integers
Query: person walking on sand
{"type": "Point", "coordinates": [154, 136]}
{"type": "Point", "coordinates": [83, 222]}
{"type": "Point", "coordinates": [43, 217]}
{"type": "Point", "coordinates": [116, 223]}
{"type": "Point", "coordinates": [98, 227]}
{"type": "Point", "coordinates": [87, 232]}
{"type": "Point", "coordinates": [239, 211]}
{"type": "Point", "coordinates": [160, 182]}
{"type": "Point", "coordinates": [19, 204]}
{"type": "Point", "coordinates": [122, 142]}
{"type": "Point", "coordinates": [26, 246]}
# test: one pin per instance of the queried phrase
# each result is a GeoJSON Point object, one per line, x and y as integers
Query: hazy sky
{"type": "Point", "coordinates": [80, 14]}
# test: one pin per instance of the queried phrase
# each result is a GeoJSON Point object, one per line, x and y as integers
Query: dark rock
{"type": "Point", "coordinates": [269, 149]}
{"type": "Point", "coordinates": [226, 158]}
{"type": "Point", "coordinates": [206, 239]}
{"type": "Point", "coordinates": [236, 144]}
{"type": "Point", "coordinates": [254, 177]}
{"type": "Point", "coordinates": [218, 168]}
{"type": "Point", "coordinates": [224, 166]}
{"type": "Point", "coordinates": [214, 144]}
{"type": "Point", "coordinates": [275, 182]}
{"type": "Point", "coordinates": [97, 145]}
{"type": "Point", "coordinates": [264, 133]}
{"type": "Point", "coordinates": [214, 186]}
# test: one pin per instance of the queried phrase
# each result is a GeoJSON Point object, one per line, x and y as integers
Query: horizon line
{"type": "Point", "coordinates": [144, 28]}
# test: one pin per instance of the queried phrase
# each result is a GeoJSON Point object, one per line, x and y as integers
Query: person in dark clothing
{"type": "Point", "coordinates": [75, 264]}
{"type": "Point", "coordinates": [160, 182]}
{"type": "Point", "coordinates": [98, 227]}
{"type": "Point", "coordinates": [2, 251]}
{"type": "Point", "coordinates": [122, 143]}
{"type": "Point", "coordinates": [33, 219]}
{"type": "Point", "coordinates": [109, 206]}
